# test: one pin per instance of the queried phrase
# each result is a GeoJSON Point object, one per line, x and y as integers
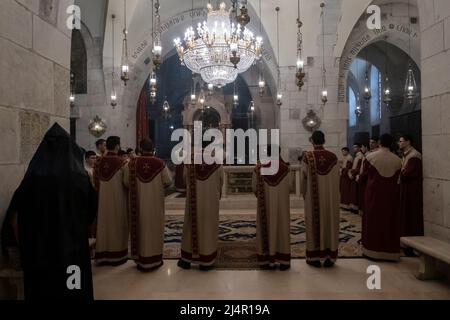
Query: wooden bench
{"type": "Point", "coordinates": [431, 251]}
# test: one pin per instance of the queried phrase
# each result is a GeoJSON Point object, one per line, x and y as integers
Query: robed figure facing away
{"type": "Point", "coordinates": [411, 190]}
{"type": "Point", "coordinates": [49, 217]}
{"type": "Point", "coordinates": [201, 219]}
{"type": "Point", "coordinates": [381, 219]}
{"type": "Point", "coordinates": [146, 177]}
{"type": "Point", "coordinates": [273, 216]}
{"type": "Point", "coordinates": [320, 189]}
{"type": "Point", "coordinates": [112, 217]}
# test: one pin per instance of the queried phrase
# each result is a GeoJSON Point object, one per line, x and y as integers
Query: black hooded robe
{"type": "Point", "coordinates": [55, 203]}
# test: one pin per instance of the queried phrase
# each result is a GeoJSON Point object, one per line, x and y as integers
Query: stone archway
{"type": "Point", "coordinates": [394, 30]}
{"type": "Point", "coordinates": [213, 102]}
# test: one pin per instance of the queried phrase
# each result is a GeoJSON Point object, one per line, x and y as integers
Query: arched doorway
{"type": "Point", "coordinates": [372, 117]}
{"type": "Point", "coordinates": [209, 117]}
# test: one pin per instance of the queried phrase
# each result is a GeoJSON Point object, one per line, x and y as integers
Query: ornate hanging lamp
{"type": "Point", "coordinates": [235, 96]}
{"type": "Point", "coordinates": [157, 45]}
{"type": "Point", "coordinates": [72, 90]}
{"type": "Point", "coordinates": [300, 74]}
{"type": "Point", "coordinates": [125, 69]}
{"type": "Point", "coordinates": [411, 91]}
{"type": "Point", "coordinates": [243, 19]}
{"type": "Point", "coordinates": [153, 87]}
{"type": "Point", "coordinates": [367, 86]}
{"type": "Point", "coordinates": [387, 89]}
{"type": "Point", "coordinates": [324, 95]}
{"type": "Point", "coordinates": [261, 81]}
{"type": "Point", "coordinates": [279, 94]}
{"type": "Point", "coordinates": [113, 90]}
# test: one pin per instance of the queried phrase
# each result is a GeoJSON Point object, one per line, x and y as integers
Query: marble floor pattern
{"type": "Point", "coordinates": [347, 280]}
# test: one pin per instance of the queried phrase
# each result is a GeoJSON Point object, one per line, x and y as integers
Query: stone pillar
{"type": "Point", "coordinates": [435, 28]}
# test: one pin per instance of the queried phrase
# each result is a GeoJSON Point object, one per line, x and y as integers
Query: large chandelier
{"type": "Point", "coordinates": [220, 50]}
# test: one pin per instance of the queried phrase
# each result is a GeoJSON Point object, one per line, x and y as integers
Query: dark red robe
{"type": "Point", "coordinates": [381, 219]}
{"type": "Point", "coordinates": [411, 195]}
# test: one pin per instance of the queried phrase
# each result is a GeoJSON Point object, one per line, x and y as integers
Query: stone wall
{"type": "Point", "coordinates": [435, 27]}
{"type": "Point", "coordinates": [34, 83]}
{"type": "Point", "coordinates": [296, 104]}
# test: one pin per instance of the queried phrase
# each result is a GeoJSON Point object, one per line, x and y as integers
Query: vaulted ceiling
{"type": "Point", "coordinates": [139, 21]}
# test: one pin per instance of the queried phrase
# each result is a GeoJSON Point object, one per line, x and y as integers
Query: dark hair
{"type": "Point", "coordinates": [112, 142]}
{"type": "Point", "coordinates": [99, 142]}
{"type": "Point", "coordinates": [318, 138]}
{"type": "Point", "coordinates": [129, 150]}
{"type": "Point", "coordinates": [89, 154]}
{"type": "Point", "coordinates": [359, 145]}
{"type": "Point", "coordinates": [365, 145]}
{"type": "Point", "coordinates": [386, 140]}
{"type": "Point", "coordinates": [146, 145]}
{"type": "Point", "coordinates": [375, 138]}
{"type": "Point", "coordinates": [121, 152]}
{"type": "Point", "coordinates": [407, 137]}
{"type": "Point", "coordinates": [345, 149]}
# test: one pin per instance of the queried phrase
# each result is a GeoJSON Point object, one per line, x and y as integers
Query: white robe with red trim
{"type": "Point", "coordinates": [273, 216]}
{"type": "Point", "coordinates": [320, 189]}
{"type": "Point", "coordinates": [146, 177]}
{"type": "Point", "coordinates": [201, 219]}
{"type": "Point", "coordinates": [112, 217]}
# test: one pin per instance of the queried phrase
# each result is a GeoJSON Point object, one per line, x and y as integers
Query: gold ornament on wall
{"type": "Point", "coordinates": [97, 127]}
{"type": "Point", "coordinates": [311, 122]}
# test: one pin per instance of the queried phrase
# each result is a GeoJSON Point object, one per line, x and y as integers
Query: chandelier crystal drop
{"type": "Point", "coordinates": [219, 50]}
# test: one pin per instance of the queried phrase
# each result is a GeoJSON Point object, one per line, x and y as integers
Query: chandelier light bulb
{"type": "Point", "coordinates": [300, 64]}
